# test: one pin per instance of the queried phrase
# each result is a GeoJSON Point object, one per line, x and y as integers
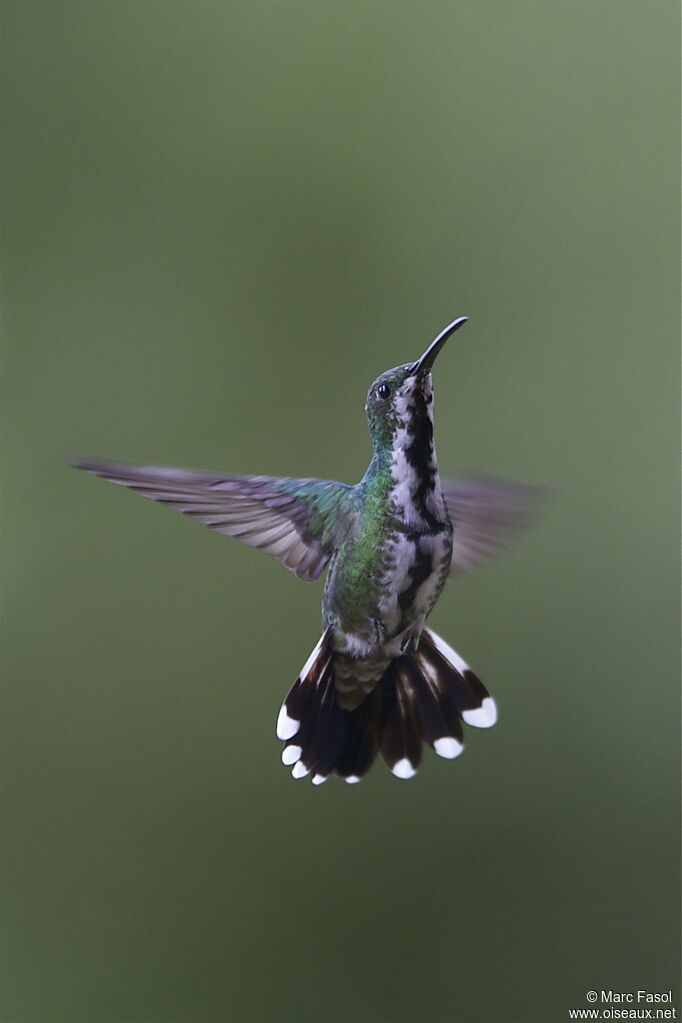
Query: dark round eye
{"type": "Point", "coordinates": [384, 391]}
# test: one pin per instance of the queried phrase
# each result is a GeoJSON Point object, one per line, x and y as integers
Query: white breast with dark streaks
{"type": "Point", "coordinates": [406, 482]}
{"type": "Point", "coordinates": [403, 553]}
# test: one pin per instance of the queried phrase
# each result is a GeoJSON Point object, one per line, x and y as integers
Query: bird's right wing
{"type": "Point", "coordinates": [296, 520]}
{"type": "Point", "coordinates": [486, 514]}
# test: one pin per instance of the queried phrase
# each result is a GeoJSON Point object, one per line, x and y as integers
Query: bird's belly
{"type": "Point", "coordinates": [373, 602]}
{"type": "Point", "coordinates": [416, 567]}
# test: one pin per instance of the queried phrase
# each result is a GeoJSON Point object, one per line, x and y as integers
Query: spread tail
{"type": "Point", "coordinates": [423, 697]}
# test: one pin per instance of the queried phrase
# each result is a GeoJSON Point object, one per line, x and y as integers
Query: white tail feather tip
{"type": "Point", "coordinates": [404, 769]}
{"type": "Point", "coordinates": [286, 726]}
{"type": "Point", "coordinates": [300, 770]}
{"type": "Point", "coordinates": [484, 716]}
{"type": "Point", "coordinates": [290, 754]}
{"type": "Point", "coordinates": [448, 747]}
{"type": "Point", "coordinates": [318, 779]}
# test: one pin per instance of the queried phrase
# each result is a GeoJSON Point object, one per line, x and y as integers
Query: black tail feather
{"type": "Point", "coordinates": [361, 735]}
{"type": "Point", "coordinates": [436, 718]}
{"type": "Point", "coordinates": [401, 743]}
{"type": "Point", "coordinates": [423, 697]}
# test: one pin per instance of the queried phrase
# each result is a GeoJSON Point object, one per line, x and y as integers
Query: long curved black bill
{"type": "Point", "coordinates": [426, 362]}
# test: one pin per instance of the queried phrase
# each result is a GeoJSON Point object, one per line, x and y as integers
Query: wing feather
{"type": "Point", "coordinates": [486, 515]}
{"type": "Point", "coordinates": [299, 521]}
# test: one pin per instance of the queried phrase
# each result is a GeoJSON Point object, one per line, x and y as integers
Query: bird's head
{"type": "Point", "coordinates": [400, 401]}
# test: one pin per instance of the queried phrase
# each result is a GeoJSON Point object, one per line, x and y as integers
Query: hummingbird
{"type": "Point", "coordinates": [378, 680]}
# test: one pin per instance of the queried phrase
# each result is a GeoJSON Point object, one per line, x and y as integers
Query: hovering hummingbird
{"type": "Point", "coordinates": [378, 679]}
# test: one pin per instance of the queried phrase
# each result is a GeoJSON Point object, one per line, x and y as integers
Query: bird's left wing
{"type": "Point", "coordinates": [486, 514]}
{"type": "Point", "coordinates": [298, 521]}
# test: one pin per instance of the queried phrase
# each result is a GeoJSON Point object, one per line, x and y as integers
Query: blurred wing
{"type": "Point", "coordinates": [486, 514]}
{"type": "Point", "coordinates": [297, 521]}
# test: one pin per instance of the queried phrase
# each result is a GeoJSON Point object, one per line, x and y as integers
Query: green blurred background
{"type": "Point", "coordinates": [222, 221]}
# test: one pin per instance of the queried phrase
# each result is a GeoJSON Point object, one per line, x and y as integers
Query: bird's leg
{"type": "Point", "coordinates": [410, 640]}
{"type": "Point", "coordinates": [379, 630]}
